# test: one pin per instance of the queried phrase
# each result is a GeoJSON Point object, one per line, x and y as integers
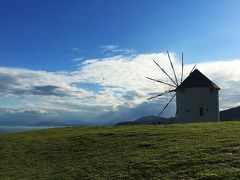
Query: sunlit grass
{"type": "Point", "coordinates": [202, 150]}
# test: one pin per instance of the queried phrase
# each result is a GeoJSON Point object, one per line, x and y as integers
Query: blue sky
{"type": "Point", "coordinates": [42, 34]}
{"type": "Point", "coordinates": [52, 51]}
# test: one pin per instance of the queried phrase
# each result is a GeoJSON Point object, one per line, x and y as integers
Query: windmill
{"type": "Point", "coordinates": [196, 96]}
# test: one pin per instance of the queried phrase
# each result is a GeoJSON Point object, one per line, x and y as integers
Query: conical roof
{"type": "Point", "coordinates": [197, 79]}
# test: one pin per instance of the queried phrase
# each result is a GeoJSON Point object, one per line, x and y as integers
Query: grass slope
{"type": "Point", "coordinates": [181, 151]}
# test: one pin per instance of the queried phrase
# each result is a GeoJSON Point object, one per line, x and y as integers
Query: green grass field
{"type": "Point", "coordinates": [181, 151]}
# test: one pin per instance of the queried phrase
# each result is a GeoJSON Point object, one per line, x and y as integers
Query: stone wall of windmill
{"type": "Point", "coordinates": [197, 104]}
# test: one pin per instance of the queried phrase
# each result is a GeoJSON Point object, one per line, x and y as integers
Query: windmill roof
{"type": "Point", "coordinates": [197, 79]}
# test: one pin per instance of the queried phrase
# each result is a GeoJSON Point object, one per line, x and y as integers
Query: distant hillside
{"type": "Point", "coordinates": [230, 114]}
{"type": "Point", "coordinates": [48, 123]}
{"type": "Point", "coordinates": [149, 120]}
{"type": "Point", "coordinates": [226, 115]}
{"type": "Point", "coordinates": [176, 151]}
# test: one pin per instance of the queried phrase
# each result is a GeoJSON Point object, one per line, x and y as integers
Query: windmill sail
{"type": "Point", "coordinates": [193, 68]}
{"type": "Point", "coordinates": [160, 82]}
{"type": "Point", "coordinates": [172, 68]}
{"type": "Point", "coordinates": [161, 94]}
{"type": "Point", "coordinates": [182, 70]}
{"type": "Point", "coordinates": [166, 105]}
{"type": "Point", "coordinates": [165, 72]}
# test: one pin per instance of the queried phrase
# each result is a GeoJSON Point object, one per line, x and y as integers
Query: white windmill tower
{"type": "Point", "coordinates": [197, 97]}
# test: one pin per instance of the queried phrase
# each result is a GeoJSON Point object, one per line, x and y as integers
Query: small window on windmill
{"type": "Point", "coordinates": [188, 110]}
{"type": "Point", "coordinates": [201, 111]}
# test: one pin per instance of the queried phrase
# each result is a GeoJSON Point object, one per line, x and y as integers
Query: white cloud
{"type": "Point", "coordinates": [115, 49]}
{"type": "Point", "coordinates": [128, 73]}
{"type": "Point", "coordinates": [78, 50]}
{"type": "Point", "coordinates": [122, 82]}
{"type": "Point", "coordinates": [76, 59]}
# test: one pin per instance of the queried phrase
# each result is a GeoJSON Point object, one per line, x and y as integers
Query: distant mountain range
{"type": "Point", "coordinates": [48, 123]}
{"type": "Point", "coordinates": [149, 120]}
{"type": "Point", "coordinates": [230, 114]}
{"type": "Point", "coordinates": [226, 115]}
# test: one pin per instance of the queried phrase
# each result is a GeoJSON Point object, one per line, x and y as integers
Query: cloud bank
{"type": "Point", "coordinates": [104, 90]}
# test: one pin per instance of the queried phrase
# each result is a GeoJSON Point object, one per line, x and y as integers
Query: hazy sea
{"type": "Point", "coordinates": [14, 129]}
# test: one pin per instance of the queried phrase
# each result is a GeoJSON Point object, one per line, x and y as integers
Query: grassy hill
{"type": "Point", "coordinates": [203, 150]}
